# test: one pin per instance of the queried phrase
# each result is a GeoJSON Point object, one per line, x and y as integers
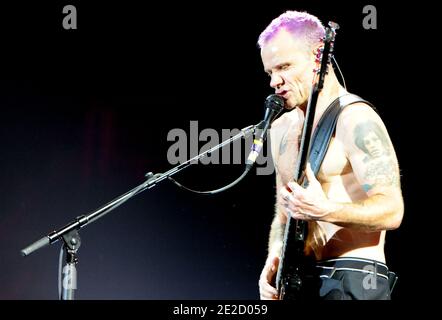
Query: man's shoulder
{"type": "Point", "coordinates": [288, 119]}
{"type": "Point", "coordinates": [355, 113]}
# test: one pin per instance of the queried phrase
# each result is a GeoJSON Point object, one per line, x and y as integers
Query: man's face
{"type": "Point", "coordinates": [290, 66]}
{"type": "Point", "coordinates": [373, 144]}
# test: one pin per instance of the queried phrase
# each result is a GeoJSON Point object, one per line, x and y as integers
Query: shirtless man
{"type": "Point", "coordinates": [356, 195]}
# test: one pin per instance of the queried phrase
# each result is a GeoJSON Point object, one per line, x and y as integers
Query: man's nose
{"type": "Point", "coordinates": [276, 81]}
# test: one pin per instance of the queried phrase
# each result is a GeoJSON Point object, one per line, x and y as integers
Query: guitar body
{"type": "Point", "coordinates": [297, 276]}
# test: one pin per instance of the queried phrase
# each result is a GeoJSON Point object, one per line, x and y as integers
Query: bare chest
{"type": "Point", "coordinates": [334, 165]}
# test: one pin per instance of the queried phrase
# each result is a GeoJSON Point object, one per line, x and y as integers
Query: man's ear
{"type": "Point", "coordinates": [316, 47]}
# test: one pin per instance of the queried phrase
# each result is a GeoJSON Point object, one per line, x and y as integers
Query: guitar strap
{"type": "Point", "coordinates": [326, 127]}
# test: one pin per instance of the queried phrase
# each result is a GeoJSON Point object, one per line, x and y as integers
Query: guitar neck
{"type": "Point", "coordinates": [289, 278]}
{"type": "Point", "coordinates": [289, 269]}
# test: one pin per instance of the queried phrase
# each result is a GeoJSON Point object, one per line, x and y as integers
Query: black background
{"type": "Point", "coordinates": [86, 112]}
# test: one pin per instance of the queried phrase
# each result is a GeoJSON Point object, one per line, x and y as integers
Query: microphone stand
{"type": "Point", "coordinates": [69, 233]}
{"type": "Point", "coordinates": [71, 244]}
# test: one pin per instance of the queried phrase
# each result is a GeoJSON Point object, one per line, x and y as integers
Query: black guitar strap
{"type": "Point", "coordinates": [326, 127]}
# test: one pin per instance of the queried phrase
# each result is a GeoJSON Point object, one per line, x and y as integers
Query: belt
{"type": "Point", "coordinates": [329, 267]}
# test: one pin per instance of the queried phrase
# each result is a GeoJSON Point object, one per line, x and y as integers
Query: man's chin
{"type": "Point", "coordinates": [289, 105]}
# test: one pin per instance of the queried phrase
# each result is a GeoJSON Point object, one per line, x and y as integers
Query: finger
{"type": "Point", "coordinates": [288, 188]}
{"type": "Point", "coordinates": [267, 274]}
{"type": "Point", "coordinates": [285, 195]}
{"type": "Point", "coordinates": [292, 185]}
{"type": "Point", "coordinates": [310, 174]}
{"type": "Point", "coordinates": [275, 262]}
{"type": "Point", "coordinates": [267, 296]}
{"type": "Point", "coordinates": [270, 274]}
{"type": "Point", "coordinates": [297, 190]}
{"type": "Point", "coordinates": [314, 216]}
{"type": "Point", "coordinates": [267, 290]}
{"type": "Point", "coordinates": [273, 269]}
{"type": "Point", "coordinates": [299, 216]}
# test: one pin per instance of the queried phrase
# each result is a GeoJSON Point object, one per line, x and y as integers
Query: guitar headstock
{"type": "Point", "coordinates": [330, 31]}
{"type": "Point", "coordinates": [325, 52]}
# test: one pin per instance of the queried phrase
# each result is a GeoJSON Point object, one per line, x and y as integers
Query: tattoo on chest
{"type": "Point", "coordinates": [283, 145]}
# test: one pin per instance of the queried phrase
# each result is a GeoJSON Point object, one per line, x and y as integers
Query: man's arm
{"type": "Point", "coordinates": [279, 140]}
{"type": "Point", "coordinates": [375, 166]}
{"type": "Point", "coordinates": [267, 278]}
{"type": "Point", "coordinates": [374, 163]}
{"type": "Point", "coordinates": [268, 274]}
{"type": "Point", "coordinates": [278, 226]}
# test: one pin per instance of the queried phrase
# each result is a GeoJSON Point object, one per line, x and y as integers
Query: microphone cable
{"type": "Point", "coordinates": [213, 191]}
{"type": "Point", "coordinates": [340, 72]}
{"type": "Point", "coordinates": [246, 170]}
{"type": "Point", "coordinates": [274, 106]}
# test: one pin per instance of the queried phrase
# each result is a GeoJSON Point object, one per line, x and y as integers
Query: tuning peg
{"type": "Point", "coordinates": [333, 25]}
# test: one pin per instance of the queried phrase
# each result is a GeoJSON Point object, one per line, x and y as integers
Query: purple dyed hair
{"type": "Point", "coordinates": [299, 24]}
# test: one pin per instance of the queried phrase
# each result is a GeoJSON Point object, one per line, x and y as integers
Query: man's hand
{"type": "Point", "coordinates": [310, 203]}
{"type": "Point", "coordinates": [267, 278]}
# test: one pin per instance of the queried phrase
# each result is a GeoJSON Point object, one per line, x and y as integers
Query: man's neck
{"type": "Point", "coordinates": [330, 91]}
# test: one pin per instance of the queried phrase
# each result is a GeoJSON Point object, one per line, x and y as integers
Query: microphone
{"type": "Point", "coordinates": [274, 104]}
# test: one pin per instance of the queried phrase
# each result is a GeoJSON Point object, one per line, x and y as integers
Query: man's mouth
{"type": "Point", "coordinates": [282, 93]}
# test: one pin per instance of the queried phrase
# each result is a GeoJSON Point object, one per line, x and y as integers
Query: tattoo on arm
{"type": "Point", "coordinates": [381, 168]}
{"type": "Point", "coordinates": [381, 173]}
{"type": "Point", "coordinates": [370, 138]}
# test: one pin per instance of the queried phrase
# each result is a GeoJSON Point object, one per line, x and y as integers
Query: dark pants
{"type": "Point", "coordinates": [353, 279]}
